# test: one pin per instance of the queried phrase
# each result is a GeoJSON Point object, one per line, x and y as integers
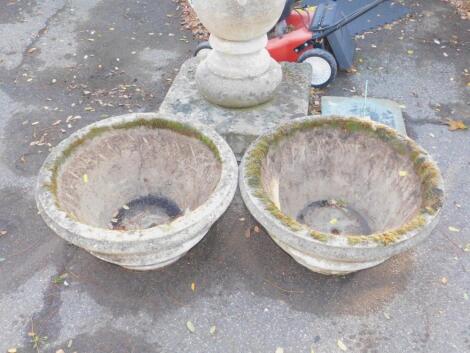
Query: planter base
{"type": "Point", "coordinates": [326, 266]}
{"type": "Point", "coordinates": [141, 267]}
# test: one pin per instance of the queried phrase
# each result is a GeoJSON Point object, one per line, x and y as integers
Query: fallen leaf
{"type": "Point", "coordinates": [454, 229]}
{"type": "Point", "coordinates": [387, 316]}
{"type": "Point", "coordinates": [190, 327]}
{"type": "Point", "coordinates": [342, 346]}
{"type": "Point", "coordinates": [403, 173]}
{"type": "Point", "coordinates": [32, 50]}
{"type": "Point", "coordinates": [444, 280]}
{"type": "Point", "coordinates": [455, 125]}
{"type": "Point", "coordinates": [60, 351]}
{"type": "Point", "coordinates": [12, 350]}
{"type": "Point", "coordinates": [125, 207]}
{"type": "Point", "coordinates": [212, 330]}
{"type": "Point", "coordinates": [467, 248]}
{"type": "Point", "coordinates": [279, 350]}
{"type": "Point", "coordinates": [247, 233]}
{"type": "Point", "coordinates": [411, 52]}
{"type": "Point", "coordinates": [3, 232]}
{"type": "Point", "coordinates": [85, 178]}
{"type": "Point", "coordinates": [60, 279]}
{"type": "Point", "coordinates": [256, 229]}
{"type": "Point", "coordinates": [311, 349]}
{"type": "Point", "coordinates": [193, 287]}
{"type": "Point", "coordinates": [333, 221]}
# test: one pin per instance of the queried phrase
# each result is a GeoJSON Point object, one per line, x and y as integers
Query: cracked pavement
{"type": "Point", "coordinates": [67, 63]}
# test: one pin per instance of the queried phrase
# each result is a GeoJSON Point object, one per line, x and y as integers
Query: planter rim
{"type": "Point", "coordinates": [426, 169]}
{"type": "Point", "coordinates": [102, 238]}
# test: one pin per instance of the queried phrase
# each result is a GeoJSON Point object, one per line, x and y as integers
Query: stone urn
{"type": "Point", "coordinates": [341, 194]}
{"type": "Point", "coordinates": [238, 72]}
{"type": "Point", "coordinates": [137, 190]}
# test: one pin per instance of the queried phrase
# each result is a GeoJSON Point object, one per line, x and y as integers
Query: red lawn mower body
{"type": "Point", "coordinates": [283, 48]}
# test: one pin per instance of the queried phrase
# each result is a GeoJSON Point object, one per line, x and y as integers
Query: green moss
{"type": "Point", "coordinates": [164, 124]}
{"type": "Point", "coordinates": [357, 239]}
{"type": "Point", "coordinates": [393, 236]}
{"type": "Point", "coordinates": [425, 170]}
{"type": "Point", "coordinates": [323, 237]}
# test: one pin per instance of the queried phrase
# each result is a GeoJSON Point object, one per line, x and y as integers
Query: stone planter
{"type": "Point", "coordinates": [238, 72]}
{"type": "Point", "coordinates": [137, 190]}
{"type": "Point", "coordinates": [341, 195]}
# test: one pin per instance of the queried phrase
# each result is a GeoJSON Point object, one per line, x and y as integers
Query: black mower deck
{"type": "Point", "coordinates": [385, 13]}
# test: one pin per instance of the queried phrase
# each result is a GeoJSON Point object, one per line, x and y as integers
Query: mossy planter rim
{"type": "Point", "coordinates": [425, 167]}
{"type": "Point", "coordinates": [108, 240]}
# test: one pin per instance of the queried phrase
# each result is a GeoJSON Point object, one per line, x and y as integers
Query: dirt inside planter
{"type": "Point", "coordinates": [136, 178]}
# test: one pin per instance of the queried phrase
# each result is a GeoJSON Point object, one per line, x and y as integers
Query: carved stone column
{"type": "Point", "coordinates": [238, 72]}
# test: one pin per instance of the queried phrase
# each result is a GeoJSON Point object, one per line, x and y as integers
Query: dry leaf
{"type": "Point", "coordinates": [403, 173]}
{"type": "Point", "coordinates": [333, 221]}
{"type": "Point", "coordinates": [248, 233]}
{"type": "Point", "coordinates": [444, 280]}
{"type": "Point", "coordinates": [12, 350]}
{"type": "Point", "coordinates": [411, 52]}
{"type": "Point", "coordinates": [387, 316]}
{"type": "Point", "coordinates": [85, 178]}
{"type": "Point", "coordinates": [256, 229]}
{"type": "Point", "coordinates": [60, 351]}
{"type": "Point", "coordinates": [467, 248]}
{"type": "Point", "coordinates": [193, 287]}
{"type": "Point", "coordinates": [190, 327]}
{"type": "Point", "coordinates": [279, 350]}
{"type": "Point", "coordinates": [32, 50]}
{"type": "Point", "coordinates": [3, 232]}
{"type": "Point", "coordinates": [212, 330]}
{"type": "Point", "coordinates": [342, 346]}
{"type": "Point", "coordinates": [454, 229]}
{"type": "Point", "coordinates": [455, 125]}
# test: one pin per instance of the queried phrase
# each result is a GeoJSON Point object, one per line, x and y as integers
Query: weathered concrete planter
{"type": "Point", "coordinates": [341, 195]}
{"type": "Point", "coordinates": [137, 190]}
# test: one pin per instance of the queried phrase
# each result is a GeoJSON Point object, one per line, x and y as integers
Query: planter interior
{"type": "Point", "coordinates": [347, 181]}
{"type": "Point", "coordinates": [341, 183]}
{"type": "Point", "coordinates": [136, 175]}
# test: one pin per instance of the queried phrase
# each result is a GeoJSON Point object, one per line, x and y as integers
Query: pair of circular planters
{"type": "Point", "coordinates": [337, 194]}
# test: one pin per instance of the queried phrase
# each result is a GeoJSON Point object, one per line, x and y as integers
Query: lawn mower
{"type": "Point", "coordinates": [317, 35]}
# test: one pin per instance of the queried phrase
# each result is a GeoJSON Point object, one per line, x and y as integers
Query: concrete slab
{"type": "Point", "coordinates": [239, 126]}
{"type": "Point", "coordinates": [383, 111]}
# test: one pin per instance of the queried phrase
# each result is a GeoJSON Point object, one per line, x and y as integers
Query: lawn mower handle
{"type": "Point", "coordinates": [323, 32]}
